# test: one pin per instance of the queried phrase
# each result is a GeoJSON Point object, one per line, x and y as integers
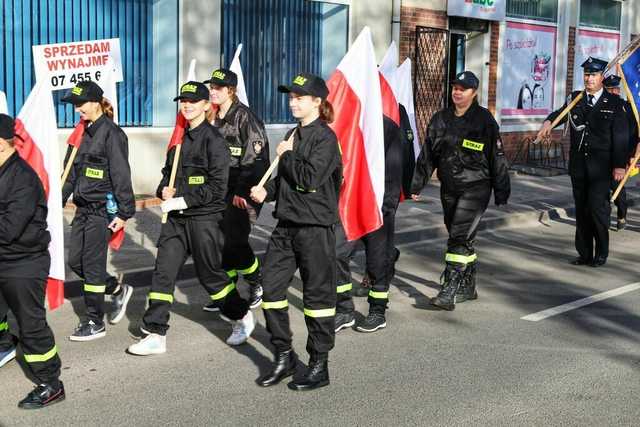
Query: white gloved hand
{"type": "Point", "coordinates": [173, 204]}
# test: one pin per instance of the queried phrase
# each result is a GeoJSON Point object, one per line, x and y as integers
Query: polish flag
{"type": "Point", "coordinates": [404, 95]}
{"type": "Point", "coordinates": [235, 66]}
{"type": "Point", "coordinates": [108, 85]}
{"type": "Point", "coordinates": [181, 123]}
{"type": "Point", "coordinates": [388, 84]}
{"type": "Point", "coordinates": [36, 142]}
{"type": "Point", "coordinates": [354, 92]}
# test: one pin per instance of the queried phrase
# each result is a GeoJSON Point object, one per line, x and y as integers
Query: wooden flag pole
{"type": "Point", "coordinates": [67, 168]}
{"type": "Point", "coordinates": [564, 112]}
{"type": "Point", "coordinates": [273, 165]}
{"type": "Point", "coordinates": [172, 178]}
{"type": "Point", "coordinates": [637, 156]}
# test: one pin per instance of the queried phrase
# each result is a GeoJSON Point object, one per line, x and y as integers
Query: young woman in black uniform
{"type": "Point", "coordinates": [195, 207]}
{"type": "Point", "coordinates": [100, 171]}
{"type": "Point", "coordinates": [306, 195]}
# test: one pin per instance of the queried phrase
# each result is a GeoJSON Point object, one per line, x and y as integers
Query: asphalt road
{"type": "Point", "coordinates": [479, 365]}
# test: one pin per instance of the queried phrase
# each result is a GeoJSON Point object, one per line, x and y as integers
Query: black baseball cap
{"type": "Point", "coordinates": [307, 84]}
{"type": "Point", "coordinates": [612, 81]}
{"type": "Point", "coordinates": [594, 65]}
{"type": "Point", "coordinates": [86, 91]}
{"type": "Point", "coordinates": [7, 127]}
{"type": "Point", "coordinates": [193, 91]}
{"type": "Point", "coordinates": [467, 80]}
{"type": "Point", "coordinates": [223, 77]}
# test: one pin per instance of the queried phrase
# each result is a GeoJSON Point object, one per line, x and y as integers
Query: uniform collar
{"type": "Point", "coordinates": [311, 127]}
{"type": "Point", "coordinates": [596, 96]}
{"type": "Point", "coordinates": [12, 158]}
{"type": "Point", "coordinates": [231, 112]}
{"type": "Point", "coordinates": [192, 133]}
{"type": "Point", "coordinates": [91, 129]}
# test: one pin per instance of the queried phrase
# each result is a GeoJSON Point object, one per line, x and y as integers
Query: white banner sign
{"type": "Point", "coordinates": [492, 10]}
{"type": "Point", "coordinates": [527, 82]}
{"type": "Point", "coordinates": [597, 44]}
{"type": "Point", "coordinates": [64, 65]}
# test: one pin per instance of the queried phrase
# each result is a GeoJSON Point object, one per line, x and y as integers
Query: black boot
{"type": "Point", "coordinates": [255, 288]}
{"type": "Point", "coordinates": [284, 366]}
{"type": "Point", "coordinates": [317, 376]}
{"type": "Point", "coordinates": [43, 395]}
{"type": "Point", "coordinates": [467, 291]}
{"type": "Point", "coordinates": [446, 298]}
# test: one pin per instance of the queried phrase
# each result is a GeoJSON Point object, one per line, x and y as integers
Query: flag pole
{"type": "Point", "coordinates": [273, 165]}
{"type": "Point", "coordinates": [172, 178]}
{"type": "Point", "coordinates": [67, 168]}
{"type": "Point", "coordinates": [637, 156]}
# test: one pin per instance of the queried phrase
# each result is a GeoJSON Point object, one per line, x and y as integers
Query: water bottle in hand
{"type": "Point", "coordinates": [112, 207]}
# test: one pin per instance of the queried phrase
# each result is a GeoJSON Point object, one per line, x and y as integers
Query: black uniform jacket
{"type": "Point", "coordinates": [24, 238]}
{"type": "Point", "coordinates": [308, 183]}
{"type": "Point", "coordinates": [392, 165]}
{"type": "Point", "coordinates": [603, 144]}
{"type": "Point", "coordinates": [248, 145]}
{"type": "Point", "coordinates": [408, 154]}
{"type": "Point", "coordinates": [466, 151]}
{"type": "Point", "coordinates": [633, 129]}
{"type": "Point", "coordinates": [203, 171]}
{"type": "Point", "coordinates": [100, 167]}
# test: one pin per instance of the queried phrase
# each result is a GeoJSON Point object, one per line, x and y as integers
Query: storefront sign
{"type": "Point", "coordinates": [528, 70]}
{"type": "Point", "coordinates": [64, 65]}
{"type": "Point", "coordinates": [493, 10]}
{"type": "Point", "coordinates": [598, 44]}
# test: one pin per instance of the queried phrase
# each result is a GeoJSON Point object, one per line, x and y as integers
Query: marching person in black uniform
{"type": "Point", "coordinates": [379, 246]}
{"type": "Point", "coordinates": [195, 208]}
{"type": "Point", "coordinates": [463, 144]}
{"type": "Point", "coordinates": [25, 260]}
{"type": "Point", "coordinates": [100, 172]}
{"type": "Point", "coordinates": [246, 138]}
{"type": "Point", "coordinates": [612, 85]}
{"type": "Point", "coordinates": [598, 153]}
{"type": "Point", "coordinates": [306, 195]}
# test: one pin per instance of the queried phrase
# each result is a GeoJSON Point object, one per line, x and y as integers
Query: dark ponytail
{"type": "Point", "coordinates": [326, 111]}
{"type": "Point", "coordinates": [107, 108]}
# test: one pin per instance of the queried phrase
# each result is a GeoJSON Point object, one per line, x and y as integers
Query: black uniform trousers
{"type": "Point", "coordinates": [88, 247]}
{"type": "Point", "coordinates": [593, 211]}
{"type": "Point", "coordinates": [463, 210]}
{"type": "Point", "coordinates": [312, 250]}
{"type": "Point", "coordinates": [25, 298]}
{"type": "Point", "coordinates": [380, 253]}
{"type": "Point", "coordinates": [238, 257]}
{"type": "Point", "coordinates": [621, 200]}
{"type": "Point", "coordinates": [344, 284]}
{"type": "Point", "coordinates": [198, 236]}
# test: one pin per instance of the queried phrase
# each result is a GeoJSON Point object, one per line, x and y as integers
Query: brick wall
{"type": "Point", "coordinates": [412, 17]}
{"type": "Point", "coordinates": [493, 65]}
{"type": "Point", "coordinates": [571, 59]}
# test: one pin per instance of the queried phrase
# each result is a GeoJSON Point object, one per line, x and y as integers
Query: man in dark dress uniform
{"type": "Point", "coordinates": [612, 85]}
{"type": "Point", "coordinates": [598, 153]}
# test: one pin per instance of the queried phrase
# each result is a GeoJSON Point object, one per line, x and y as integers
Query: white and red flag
{"type": "Point", "coordinates": [235, 66]}
{"type": "Point", "coordinates": [354, 92]}
{"type": "Point", "coordinates": [388, 84]}
{"type": "Point", "coordinates": [405, 98]}
{"type": "Point", "coordinates": [37, 143]}
{"type": "Point", "coordinates": [181, 123]}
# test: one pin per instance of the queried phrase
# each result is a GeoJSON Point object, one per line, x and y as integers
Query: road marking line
{"type": "Point", "coordinates": [544, 314]}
